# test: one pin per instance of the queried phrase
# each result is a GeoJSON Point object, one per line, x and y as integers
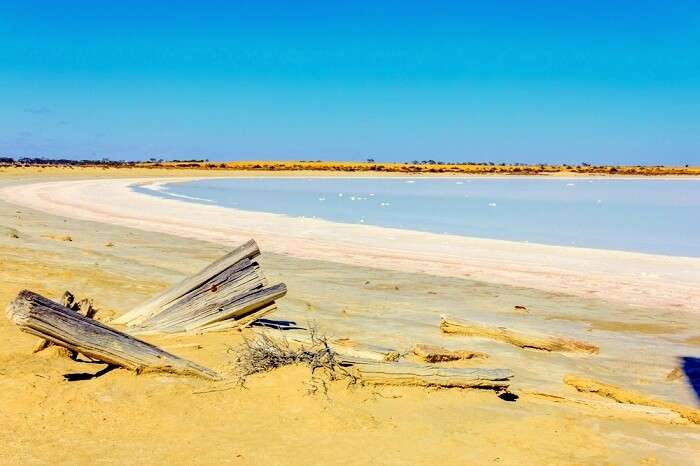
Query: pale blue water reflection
{"type": "Point", "coordinates": [651, 215]}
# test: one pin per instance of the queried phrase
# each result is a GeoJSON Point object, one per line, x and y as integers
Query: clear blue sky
{"type": "Point", "coordinates": [550, 81]}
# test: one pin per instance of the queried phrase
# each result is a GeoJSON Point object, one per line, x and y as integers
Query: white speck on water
{"type": "Point", "coordinates": [492, 204]}
{"type": "Point", "coordinates": [459, 182]}
{"type": "Point", "coordinates": [340, 194]}
{"type": "Point", "coordinates": [321, 199]}
{"type": "Point", "coordinates": [371, 195]}
{"type": "Point", "coordinates": [352, 198]}
{"type": "Point", "coordinates": [570, 184]}
{"type": "Point", "coordinates": [362, 220]}
{"type": "Point", "coordinates": [384, 204]}
{"type": "Point", "coordinates": [410, 181]}
{"type": "Point", "coordinates": [599, 201]}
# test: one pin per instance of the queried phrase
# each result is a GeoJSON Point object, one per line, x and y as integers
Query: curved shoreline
{"type": "Point", "coordinates": [627, 277]}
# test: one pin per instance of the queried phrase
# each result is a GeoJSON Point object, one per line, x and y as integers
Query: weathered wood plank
{"type": "Point", "coordinates": [379, 365]}
{"type": "Point", "coordinates": [410, 373]}
{"type": "Point", "coordinates": [61, 326]}
{"type": "Point", "coordinates": [433, 354]}
{"type": "Point", "coordinates": [513, 337]}
{"type": "Point", "coordinates": [622, 395]}
{"type": "Point", "coordinates": [247, 250]}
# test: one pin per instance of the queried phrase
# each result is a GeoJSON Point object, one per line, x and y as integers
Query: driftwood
{"type": "Point", "coordinates": [378, 365]}
{"type": "Point", "coordinates": [513, 337]}
{"type": "Point", "coordinates": [432, 354]}
{"type": "Point", "coordinates": [410, 373]}
{"type": "Point", "coordinates": [153, 306]}
{"type": "Point", "coordinates": [61, 326]}
{"type": "Point", "coordinates": [622, 395]}
{"type": "Point", "coordinates": [231, 292]}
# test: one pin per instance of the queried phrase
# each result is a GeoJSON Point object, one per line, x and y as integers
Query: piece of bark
{"type": "Point", "coordinates": [409, 373]}
{"type": "Point", "coordinates": [46, 319]}
{"type": "Point", "coordinates": [675, 374]}
{"type": "Point", "coordinates": [433, 354]}
{"type": "Point", "coordinates": [622, 395]}
{"type": "Point", "coordinates": [513, 337]}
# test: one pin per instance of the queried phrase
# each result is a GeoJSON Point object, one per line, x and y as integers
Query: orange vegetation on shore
{"type": "Point", "coordinates": [472, 168]}
{"type": "Point", "coordinates": [407, 168]}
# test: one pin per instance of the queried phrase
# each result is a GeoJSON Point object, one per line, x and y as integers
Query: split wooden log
{"type": "Point", "coordinates": [155, 305]}
{"type": "Point", "coordinates": [220, 309]}
{"type": "Point", "coordinates": [522, 340]}
{"type": "Point", "coordinates": [231, 292]}
{"type": "Point", "coordinates": [409, 373]}
{"type": "Point", "coordinates": [61, 326]}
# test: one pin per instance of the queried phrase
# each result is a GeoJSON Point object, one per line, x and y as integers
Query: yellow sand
{"type": "Point", "coordinates": [121, 418]}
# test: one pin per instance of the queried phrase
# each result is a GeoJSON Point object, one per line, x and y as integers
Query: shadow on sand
{"type": "Point", "coordinates": [77, 376]}
{"type": "Point", "coordinates": [277, 324]}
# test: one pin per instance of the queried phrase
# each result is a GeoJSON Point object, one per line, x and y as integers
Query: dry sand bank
{"type": "Point", "coordinates": [121, 418]}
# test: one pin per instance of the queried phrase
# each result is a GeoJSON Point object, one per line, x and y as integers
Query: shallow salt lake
{"type": "Point", "coordinates": [660, 216]}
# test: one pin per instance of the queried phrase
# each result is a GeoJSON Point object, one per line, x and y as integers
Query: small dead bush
{"type": "Point", "coordinates": [263, 354]}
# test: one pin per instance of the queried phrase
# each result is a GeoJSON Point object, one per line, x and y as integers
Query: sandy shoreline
{"type": "Point", "coordinates": [625, 277]}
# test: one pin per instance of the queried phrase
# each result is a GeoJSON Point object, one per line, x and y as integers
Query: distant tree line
{"type": "Point", "coordinates": [87, 162]}
{"type": "Point", "coordinates": [423, 166]}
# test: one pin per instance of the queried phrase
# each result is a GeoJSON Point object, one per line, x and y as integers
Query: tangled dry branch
{"type": "Point", "coordinates": [264, 353]}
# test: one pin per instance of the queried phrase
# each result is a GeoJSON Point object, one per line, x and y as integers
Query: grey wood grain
{"type": "Point", "coordinates": [61, 326]}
